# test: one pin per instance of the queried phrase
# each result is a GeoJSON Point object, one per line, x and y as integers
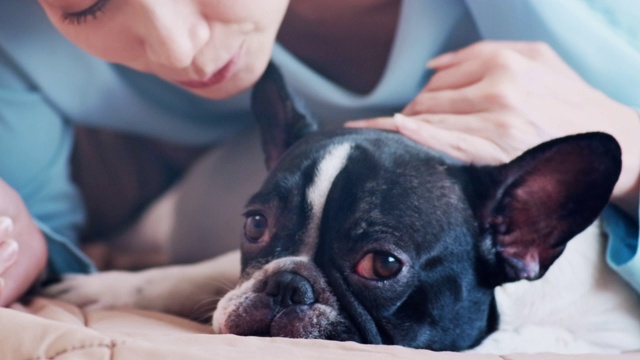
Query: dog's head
{"type": "Point", "coordinates": [364, 235]}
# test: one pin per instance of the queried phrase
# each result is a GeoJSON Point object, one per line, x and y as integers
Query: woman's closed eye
{"type": "Point", "coordinates": [80, 17]}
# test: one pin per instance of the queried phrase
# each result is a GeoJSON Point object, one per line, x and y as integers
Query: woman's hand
{"type": "Point", "coordinates": [490, 101]}
{"type": "Point", "coordinates": [8, 247]}
{"type": "Point", "coordinates": [18, 271]}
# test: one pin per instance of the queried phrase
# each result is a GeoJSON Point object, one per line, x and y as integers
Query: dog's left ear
{"type": "Point", "coordinates": [281, 124]}
{"type": "Point", "coordinates": [531, 207]}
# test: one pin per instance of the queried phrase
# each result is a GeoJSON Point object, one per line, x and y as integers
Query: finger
{"type": "Point", "coordinates": [479, 125]}
{"type": "Point", "coordinates": [462, 146]}
{"type": "Point", "coordinates": [382, 123]}
{"type": "Point", "coordinates": [8, 254]}
{"type": "Point", "coordinates": [466, 100]}
{"type": "Point", "coordinates": [474, 51]}
{"type": "Point", "coordinates": [6, 226]}
{"type": "Point", "coordinates": [458, 76]}
{"type": "Point", "coordinates": [472, 71]}
{"type": "Point", "coordinates": [531, 50]}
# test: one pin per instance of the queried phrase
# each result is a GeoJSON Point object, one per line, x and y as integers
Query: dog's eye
{"type": "Point", "coordinates": [255, 227]}
{"type": "Point", "coordinates": [379, 265]}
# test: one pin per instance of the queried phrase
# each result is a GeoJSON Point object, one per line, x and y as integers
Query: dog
{"type": "Point", "coordinates": [363, 235]}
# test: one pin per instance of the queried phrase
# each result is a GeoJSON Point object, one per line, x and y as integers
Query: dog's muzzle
{"type": "Point", "coordinates": [288, 297]}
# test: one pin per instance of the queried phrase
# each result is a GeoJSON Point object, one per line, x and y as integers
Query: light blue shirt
{"type": "Point", "coordinates": [47, 86]}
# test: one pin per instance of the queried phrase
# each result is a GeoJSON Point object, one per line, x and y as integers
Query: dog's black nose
{"type": "Point", "coordinates": [287, 288]}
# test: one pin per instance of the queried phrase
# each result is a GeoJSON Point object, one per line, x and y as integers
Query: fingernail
{"type": "Point", "coordinates": [8, 252]}
{"type": "Point", "coordinates": [404, 122]}
{"type": "Point", "coordinates": [6, 224]}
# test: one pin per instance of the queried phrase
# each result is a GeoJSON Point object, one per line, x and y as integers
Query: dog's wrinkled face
{"type": "Point", "coordinates": [366, 236]}
{"type": "Point", "coordinates": [342, 244]}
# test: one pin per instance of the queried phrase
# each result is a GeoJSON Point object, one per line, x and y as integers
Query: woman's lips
{"type": "Point", "coordinates": [219, 76]}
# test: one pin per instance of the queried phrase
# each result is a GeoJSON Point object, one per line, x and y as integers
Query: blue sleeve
{"type": "Point", "coordinates": [36, 144]}
{"type": "Point", "coordinates": [623, 252]}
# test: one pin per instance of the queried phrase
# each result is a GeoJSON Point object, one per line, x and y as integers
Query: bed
{"type": "Point", "coordinates": [50, 329]}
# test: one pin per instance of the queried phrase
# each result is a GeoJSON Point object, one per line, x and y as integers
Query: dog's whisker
{"type": "Point", "coordinates": [226, 285]}
{"type": "Point", "coordinates": [204, 310]}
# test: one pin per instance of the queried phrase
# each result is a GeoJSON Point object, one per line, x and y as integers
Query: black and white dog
{"type": "Point", "coordinates": [364, 235]}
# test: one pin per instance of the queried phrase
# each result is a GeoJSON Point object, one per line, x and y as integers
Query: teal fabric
{"type": "Point", "coordinates": [623, 254]}
{"type": "Point", "coordinates": [47, 86]}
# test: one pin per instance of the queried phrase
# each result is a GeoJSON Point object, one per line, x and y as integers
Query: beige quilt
{"type": "Point", "coordinates": [50, 329]}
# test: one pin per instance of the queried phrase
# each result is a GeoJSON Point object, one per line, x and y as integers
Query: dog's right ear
{"type": "Point", "coordinates": [281, 124]}
{"type": "Point", "coordinates": [530, 208]}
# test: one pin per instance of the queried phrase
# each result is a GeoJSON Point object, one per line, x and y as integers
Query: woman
{"type": "Point", "coordinates": [345, 59]}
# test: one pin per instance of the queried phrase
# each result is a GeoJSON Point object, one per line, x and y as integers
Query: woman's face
{"type": "Point", "coordinates": [214, 48]}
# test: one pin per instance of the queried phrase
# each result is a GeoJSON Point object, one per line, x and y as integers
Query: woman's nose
{"type": "Point", "coordinates": [173, 32]}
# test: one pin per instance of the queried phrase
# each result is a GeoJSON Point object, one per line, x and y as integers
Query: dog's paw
{"type": "Point", "coordinates": [104, 290]}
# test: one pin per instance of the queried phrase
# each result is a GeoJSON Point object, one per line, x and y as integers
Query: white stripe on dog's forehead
{"type": "Point", "coordinates": [326, 172]}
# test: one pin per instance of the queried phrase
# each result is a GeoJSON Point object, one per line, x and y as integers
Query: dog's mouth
{"type": "Point", "coordinates": [287, 298]}
{"type": "Point", "coordinates": [259, 316]}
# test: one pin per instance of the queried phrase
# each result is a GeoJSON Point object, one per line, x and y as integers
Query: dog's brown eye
{"type": "Point", "coordinates": [379, 266]}
{"type": "Point", "coordinates": [255, 227]}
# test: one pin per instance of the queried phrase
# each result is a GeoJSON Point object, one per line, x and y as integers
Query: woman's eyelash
{"type": "Point", "coordinates": [80, 17]}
